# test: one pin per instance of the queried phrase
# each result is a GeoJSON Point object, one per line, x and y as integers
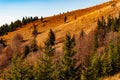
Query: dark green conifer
{"type": "Point", "coordinates": [70, 71]}
{"type": "Point", "coordinates": [65, 19]}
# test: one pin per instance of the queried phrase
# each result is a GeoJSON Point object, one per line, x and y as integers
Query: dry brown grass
{"type": "Point", "coordinates": [86, 20]}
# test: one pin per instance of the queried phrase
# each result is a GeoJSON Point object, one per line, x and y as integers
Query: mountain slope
{"type": "Point", "coordinates": [86, 20]}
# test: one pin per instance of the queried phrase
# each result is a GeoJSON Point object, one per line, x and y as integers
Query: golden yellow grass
{"type": "Point", "coordinates": [86, 20]}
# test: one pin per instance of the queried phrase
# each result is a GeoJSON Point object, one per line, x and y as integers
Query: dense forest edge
{"type": "Point", "coordinates": [4, 29]}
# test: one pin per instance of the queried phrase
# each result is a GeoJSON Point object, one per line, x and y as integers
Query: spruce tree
{"type": "Point", "coordinates": [65, 19]}
{"type": "Point", "coordinates": [99, 24]}
{"type": "Point", "coordinates": [26, 51]}
{"type": "Point", "coordinates": [88, 68]}
{"type": "Point", "coordinates": [70, 71]}
{"type": "Point", "coordinates": [34, 45]}
{"type": "Point", "coordinates": [42, 19]}
{"type": "Point", "coordinates": [19, 71]}
{"type": "Point", "coordinates": [35, 32]}
{"type": "Point", "coordinates": [115, 56]}
{"type": "Point", "coordinates": [14, 73]}
{"type": "Point", "coordinates": [103, 23]}
{"type": "Point", "coordinates": [97, 67]}
{"type": "Point", "coordinates": [109, 22]}
{"type": "Point", "coordinates": [109, 58]}
{"type": "Point", "coordinates": [51, 37]}
{"type": "Point", "coordinates": [45, 68]}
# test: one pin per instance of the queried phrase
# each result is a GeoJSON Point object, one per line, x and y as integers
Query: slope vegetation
{"type": "Point", "coordinates": [85, 19]}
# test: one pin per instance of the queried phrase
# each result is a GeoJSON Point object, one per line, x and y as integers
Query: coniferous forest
{"type": "Point", "coordinates": [4, 29]}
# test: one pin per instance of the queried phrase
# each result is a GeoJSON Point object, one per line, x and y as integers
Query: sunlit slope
{"type": "Point", "coordinates": [85, 19]}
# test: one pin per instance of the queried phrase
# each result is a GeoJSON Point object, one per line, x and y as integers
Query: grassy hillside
{"type": "Point", "coordinates": [86, 19]}
{"type": "Point", "coordinates": [83, 19]}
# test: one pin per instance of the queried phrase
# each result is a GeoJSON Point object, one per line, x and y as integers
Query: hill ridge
{"type": "Point", "coordinates": [86, 20]}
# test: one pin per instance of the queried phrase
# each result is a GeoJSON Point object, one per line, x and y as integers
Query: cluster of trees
{"type": "Point", "coordinates": [4, 29]}
{"type": "Point", "coordinates": [95, 66]}
{"type": "Point", "coordinates": [111, 24]}
{"type": "Point", "coordinates": [47, 68]}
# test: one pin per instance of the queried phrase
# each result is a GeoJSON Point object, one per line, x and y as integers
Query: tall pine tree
{"type": "Point", "coordinates": [69, 71]}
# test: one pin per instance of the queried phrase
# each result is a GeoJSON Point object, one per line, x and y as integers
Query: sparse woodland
{"type": "Point", "coordinates": [92, 56]}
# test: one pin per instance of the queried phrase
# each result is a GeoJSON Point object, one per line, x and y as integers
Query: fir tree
{"type": "Point", "coordinates": [109, 22]}
{"type": "Point", "coordinates": [42, 19]}
{"type": "Point", "coordinates": [51, 37]}
{"type": "Point", "coordinates": [88, 71]}
{"type": "Point", "coordinates": [26, 51]}
{"type": "Point", "coordinates": [70, 71]}
{"type": "Point", "coordinates": [15, 72]}
{"type": "Point", "coordinates": [115, 58]}
{"type": "Point", "coordinates": [103, 23]}
{"type": "Point", "coordinates": [65, 19]}
{"type": "Point", "coordinates": [45, 66]}
{"type": "Point", "coordinates": [34, 45]}
{"type": "Point", "coordinates": [99, 24]}
{"type": "Point", "coordinates": [109, 58]}
{"type": "Point", "coordinates": [34, 33]}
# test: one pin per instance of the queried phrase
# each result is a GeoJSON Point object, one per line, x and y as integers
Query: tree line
{"type": "Point", "coordinates": [109, 24]}
{"type": "Point", "coordinates": [4, 29]}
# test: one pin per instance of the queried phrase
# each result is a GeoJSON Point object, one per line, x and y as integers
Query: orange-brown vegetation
{"type": "Point", "coordinates": [85, 19]}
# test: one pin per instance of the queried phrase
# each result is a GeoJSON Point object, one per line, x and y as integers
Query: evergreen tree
{"type": "Point", "coordinates": [51, 37]}
{"type": "Point", "coordinates": [65, 19]}
{"type": "Point", "coordinates": [115, 58]}
{"type": "Point", "coordinates": [26, 51]}
{"type": "Point", "coordinates": [42, 19]}
{"type": "Point", "coordinates": [34, 45]}
{"type": "Point", "coordinates": [48, 48]}
{"type": "Point", "coordinates": [109, 58]}
{"type": "Point", "coordinates": [89, 72]}
{"type": "Point", "coordinates": [109, 22]}
{"type": "Point", "coordinates": [97, 67]}
{"type": "Point", "coordinates": [104, 59]}
{"type": "Point", "coordinates": [103, 23]}
{"type": "Point", "coordinates": [99, 24]}
{"type": "Point", "coordinates": [45, 69]}
{"type": "Point", "coordinates": [15, 72]}
{"type": "Point", "coordinates": [34, 33]}
{"type": "Point", "coordinates": [70, 71]}
{"type": "Point", "coordinates": [113, 26]}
